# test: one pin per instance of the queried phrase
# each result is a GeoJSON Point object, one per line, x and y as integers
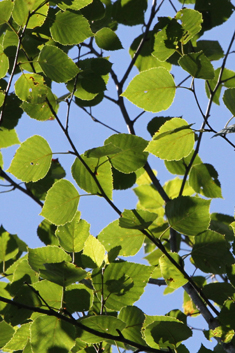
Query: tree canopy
{"type": "Point", "coordinates": [78, 292]}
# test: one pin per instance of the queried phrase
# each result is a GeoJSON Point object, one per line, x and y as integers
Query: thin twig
{"type": "Point", "coordinates": [19, 187]}
{"type": "Point", "coordinates": [206, 115]}
{"type": "Point", "coordinates": [98, 121]}
{"type": "Point", "coordinates": [72, 321]}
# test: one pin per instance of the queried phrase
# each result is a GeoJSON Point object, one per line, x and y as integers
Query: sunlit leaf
{"type": "Point", "coordinates": [127, 241]}
{"type": "Point", "coordinates": [188, 215]}
{"type": "Point", "coordinates": [191, 23]}
{"type": "Point", "coordinates": [211, 252]}
{"type": "Point", "coordinates": [62, 273]}
{"type": "Point", "coordinates": [70, 28]}
{"type": "Point", "coordinates": [173, 141]}
{"type": "Point", "coordinates": [6, 8]}
{"type": "Point", "coordinates": [165, 331]}
{"type": "Point", "coordinates": [101, 323]}
{"type": "Point", "coordinates": [82, 173]}
{"type": "Point", "coordinates": [73, 235]}
{"type": "Point", "coordinates": [198, 65]}
{"type": "Point", "coordinates": [61, 203]}
{"type": "Point", "coordinates": [173, 277]}
{"type": "Point", "coordinates": [136, 219]}
{"type": "Point", "coordinates": [123, 283]}
{"type": "Point", "coordinates": [152, 90]}
{"type": "Point", "coordinates": [7, 332]}
{"type": "Point", "coordinates": [93, 253]}
{"type": "Point", "coordinates": [32, 159]}
{"type": "Point", "coordinates": [130, 155]}
{"type": "Point", "coordinates": [204, 179]}
{"type": "Point", "coordinates": [55, 332]}
{"type": "Point", "coordinates": [56, 64]}
{"type": "Point", "coordinates": [107, 39]}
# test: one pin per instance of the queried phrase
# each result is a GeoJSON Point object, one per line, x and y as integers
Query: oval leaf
{"type": "Point", "coordinates": [70, 28]}
{"type": "Point", "coordinates": [173, 141]}
{"type": "Point", "coordinates": [61, 203]}
{"type": "Point", "coordinates": [188, 215]}
{"type": "Point", "coordinates": [56, 64]}
{"type": "Point", "coordinates": [152, 90]}
{"type": "Point", "coordinates": [32, 159]}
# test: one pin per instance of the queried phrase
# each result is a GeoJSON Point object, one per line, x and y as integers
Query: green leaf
{"type": "Point", "coordinates": [136, 219]}
{"type": "Point", "coordinates": [7, 332]}
{"type": "Point", "coordinates": [197, 65]}
{"type": "Point", "coordinates": [4, 65]}
{"type": "Point", "coordinates": [149, 197]}
{"type": "Point", "coordinates": [70, 28]}
{"type": "Point", "coordinates": [40, 188]}
{"type": "Point", "coordinates": [165, 332]}
{"type": "Point", "coordinates": [172, 188]}
{"type": "Point", "coordinates": [227, 80]}
{"type": "Point", "coordinates": [72, 4]}
{"type": "Point", "coordinates": [19, 339]}
{"type": "Point", "coordinates": [122, 181]}
{"type": "Point", "coordinates": [100, 168]}
{"type": "Point", "coordinates": [123, 283]}
{"type": "Point", "coordinates": [188, 215]}
{"type": "Point", "coordinates": [38, 13]}
{"type": "Point", "coordinates": [42, 111]}
{"type": "Point", "coordinates": [204, 179]}
{"type": "Point", "coordinates": [49, 333]}
{"type": "Point", "coordinates": [107, 39]}
{"type": "Point", "coordinates": [145, 59]}
{"type": "Point", "coordinates": [15, 315]}
{"type": "Point", "coordinates": [152, 90]}
{"type": "Point", "coordinates": [62, 273]}
{"type": "Point", "coordinates": [173, 141]}
{"type": "Point", "coordinates": [179, 167]}
{"type": "Point", "coordinates": [227, 314]}
{"type": "Point", "coordinates": [129, 12]}
{"type": "Point", "coordinates": [46, 233]}
{"type": "Point", "coordinates": [219, 292]}
{"type": "Point", "coordinates": [231, 274]}
{"type": "Point", "coordinates": [211, 48]}
{"type": "Point", "coordinates": [134, 319]}
{"type": "Point", "coordinates": [221, 223]}
{"type": "Point", "coordinates": [191, 23]}
{"type": "Point", "coordinates": [167, 40]}
{"type": "Point", "coordinates": [78, 298]}
{"type": "Point", "coordinates": [229, 99]}
{"type": "Point", "coordinates": [8, 138]}
{"type": "Point", "coordinates": [214, 14]}
{"type": "Point", "coordinates": [101, 323]}
{"type": "Point", "coordinates": [52, 293]}
{"type": "Point", "coordinates": [173, 277]}
{"type": "Point", "coordinates": [127, 241]}
{"type": "Point", "coordinates": [93, 253]}
{"type": "Point", "coordinates": [31, 88]}
{"type": "Point", "coordinates": [12, 112]}
{"type": "Point", "coordinates": [23, 273]}
{"type": "Point", "coordinates": [61, 203]}
{"type": "Point", "coordinates": [94, 11]}
{"type": "Point", "coordinates": [8, 245]}
{"type": "Point", "coordinates": [32, 159]}
{"type": "Point", "coordinates": [50, 254]}
{"type": "Point", "coordinates": [6, 8]}
{"type": "Point", "coordinates": [56, 64]}
{"type": "Point", "coordinates": [73, 235]}
{"type": "Point", "coordinates": [211, 252]}
{"type": "Point", "coordinates": [130, 156]}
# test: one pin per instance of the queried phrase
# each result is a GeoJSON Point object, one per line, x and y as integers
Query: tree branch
{"type": "Point", "coordinates": [72, 321]}
{"type": "Point", "coordinates": [19, 187]}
